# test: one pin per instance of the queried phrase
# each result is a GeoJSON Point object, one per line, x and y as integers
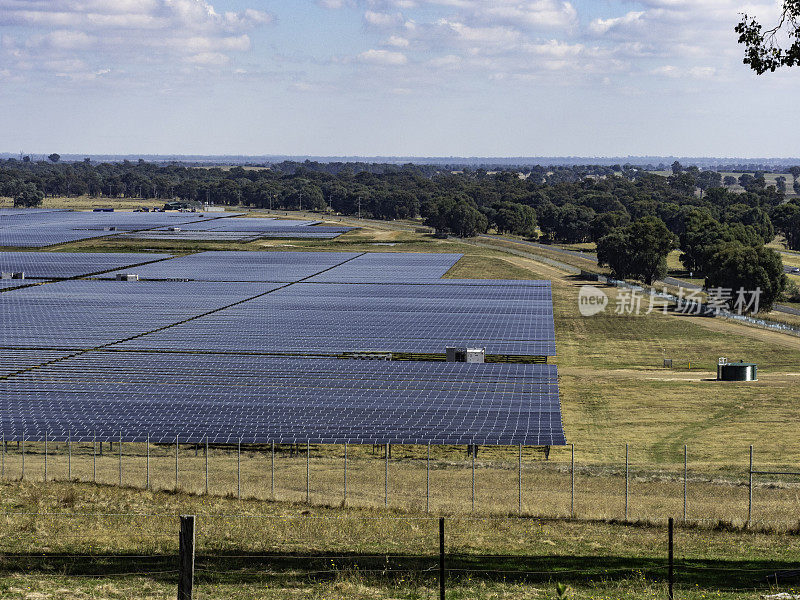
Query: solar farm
{"type": "Point", "coordinates": [39, 228]}
{"type": "Point", "coordinates": [273, 347]}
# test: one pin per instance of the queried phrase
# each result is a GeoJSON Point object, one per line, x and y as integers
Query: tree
{"type": "Point", "coordinates": [762, 49]}
{"type": "Point", "coordinates": [729, 180]}
{"type": "Point", "coordinates": [28, 196]}
{"type": "Point", "coordinates": [677, 168]}
{"type": "Point", "coordinates": [786, 218]}
{"type": "Point", "coordinates": [737, 267]}
{"type": "Point", "coordinates": [780, 182]}
{"type": "Point", "coordinates": [54, 158]}
{"type": "Point", "coordinates": [638, 251]}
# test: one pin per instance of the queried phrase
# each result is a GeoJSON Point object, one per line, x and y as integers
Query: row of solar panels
{"type": "Point", "coordinates": [224, 399]}
{"type": "Point", "coordinates": [38, 228]}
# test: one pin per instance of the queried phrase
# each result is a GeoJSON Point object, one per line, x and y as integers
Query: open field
{"type": "Point", "coordinates": [127, 543]}
{"type": "Point", "coordinates": [613, 391]}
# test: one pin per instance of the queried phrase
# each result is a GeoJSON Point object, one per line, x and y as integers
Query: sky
{"type": "Point", "coordinates": [390, 77]}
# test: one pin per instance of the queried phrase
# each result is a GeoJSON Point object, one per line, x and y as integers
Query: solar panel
{"type": "Point", "coordinates": [88, 314]}
{"type": "Point", "coordinates": [245, 266]}
{"type": "Point", "coordinates": [15, 359]}
{"type": "Point", "coordinates": [390, 267]}
{"type": "Point", "coordinates": [48, 265]}
{"type": "Point", "coordinates": [337, 318]}
{"type": "Point", "coordinates": [36, 228]}
{"type": "Point", "coordinates": [282, 399]}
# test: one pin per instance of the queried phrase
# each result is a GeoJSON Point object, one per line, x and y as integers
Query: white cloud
{"type": "Point", "coordinates": [381, 19]}
{"type": "Point", "coordinates": [383, 57]}
{"type": "Point", "coordinates": [208, 59]}
{"type": "Point", "coordinates": [398, 41]}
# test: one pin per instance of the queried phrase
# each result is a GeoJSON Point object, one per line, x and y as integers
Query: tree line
{"type": "Point", "coordinates": [635, 217]}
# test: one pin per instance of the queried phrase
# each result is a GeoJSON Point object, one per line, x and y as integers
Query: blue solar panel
{"type": "Point", "coordinates": [286, 400]}
{"type": "Point", "coordinates": [88, 314]}
{"type": "Point", "coordinates": [389, 267]}
{"type": "Point", "coordinates": [45, 228]}
{"type": "Point", "coordinates": [245, 266]}
{"type": "Point", "coordinates": [337, 318]}
{"type": "Point", "coordinates": [49, 265]}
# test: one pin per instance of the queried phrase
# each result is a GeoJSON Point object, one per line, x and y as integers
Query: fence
{"type": "Point", "coordinates": [365, 556]}
{"type": "Point", "coordinates": [622, 482]}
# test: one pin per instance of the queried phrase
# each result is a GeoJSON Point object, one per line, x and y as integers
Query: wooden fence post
{"type": "Point", "coordinates": [186, 543]}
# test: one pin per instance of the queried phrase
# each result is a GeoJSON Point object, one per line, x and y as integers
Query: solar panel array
{"type": "Point", "coordinates": [60, 265]}
{"type": "Point", "coordinates": [246, 229]}
{"type": "Point", "coordinates": [88, 314]}
{"type": "Point", "coordinates": [282, 399]}
{"type": "Point", "coordinates": [200, 350]}
{"type": "Point", "coordinates": [38, 228]}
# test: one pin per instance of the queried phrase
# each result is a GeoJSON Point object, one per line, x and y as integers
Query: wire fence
{"type": "Point", "coordinates": [544, 482]}
{"type": "Point", "coordinates": [379, 556]}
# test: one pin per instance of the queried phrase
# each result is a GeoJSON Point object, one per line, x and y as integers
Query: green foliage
{"type": "Point", "coordinates": [638, 251]}
{"type": "Point", "coordinates": [562, 591]}
{"type": "Point", "coordinates": [511, 217]}
{"type": "Point", "coordinates": [457, 216]}
{"type": "Point", "coordinates": [735, 266]}
{"type": "Point", "coordinates": [786, 218]}
{"type": "Point", "coordinates": [28, 196]}
{"type": "Point", "coordinates": [762, 51]}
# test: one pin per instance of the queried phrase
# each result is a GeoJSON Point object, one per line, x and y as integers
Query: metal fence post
{"type": "Point", "coordinates": [94, 457]}
{"type": "Point", "coordinates": [386, 479]}
{"type": "Point", "coordinates": [344, 502]}
{"type": "Point", "coordinates": [69, 455]}
{"type": "Point", "coordinates": [186, 560]}
{"type": "Point", "coordinates": [428, 480]}
{"type": "Point", "coordinates": [206, 457]}
{"type": "Point", "coordinates": [45, 456]}
{"type": "Point", "coordinates": [626, 481]}
{"type": "Point", "coordinates": [685, 478]}
{"type": "Point", "coordinates": [120, 458]}
{"type": "Point", "coordinates": [308, 471]}
{"type": "Point", "coordinates": [272, 473]}
{"type": "Point", "coordinates": [519, 481]}
{"type": "Point", "coordinates": [750, 489]}
{"type": "Point", "coordinates": [3, 472]}
{"type": "Point", "coordinates": [572, 485]}
{"type": "Point", "coordinates": [239, 470]}
{"type": "Point", "coordinates": [473, 478]}
{"type": "Point", "coordinates": [147, 480]}
{"type": "Point", "coordinates": [23, 458]}
{"type": "Point", "coordinates": [176, 463]}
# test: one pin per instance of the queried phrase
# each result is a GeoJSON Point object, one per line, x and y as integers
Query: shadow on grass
{"type": "Point", "coordinates": [247, 567]}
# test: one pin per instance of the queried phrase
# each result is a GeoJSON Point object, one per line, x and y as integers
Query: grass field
{"type": "Point", "coordinates": [613, 391]}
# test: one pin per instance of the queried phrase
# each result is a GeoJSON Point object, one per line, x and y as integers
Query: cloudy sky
{"type": "Point", "coordinates": [389, 77]}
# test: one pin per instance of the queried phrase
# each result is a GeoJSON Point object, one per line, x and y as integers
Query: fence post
{"type": "Point", "coordinates": [386, 478]}
{"type": "Point", "coordinates": [69, 455]}
{"type": "Point", "coordinates": [428, 480]}
{"type": "Point", "coordinates": [186, 544]}
{"type": "Point", "coordinates": [272, 473]}
{"type": "Point", "coordinates": [45, 457]}
{"type": "Point", "coordinates": [308, 471]}
{"type": "Point", "coordinates": [176, 463]}
{"type": "Point", "coordinates": [441, 558]}
{"type": "Point", "coordinates": [685, 478]}
{"type": "Point", "coordinates": [671, 572]}
{"type": "Point", "coordinates": [120, 458]}
{"type": "Point", "coordinates": [206, 465]}
{"type": "Point", "coordinates": [473, 477]}
{"type": "Point", "coordinates": [572, 485]}
{"type": "Point", "coordinates": [23, 457]}
{"type": "Point", "coordinates": [626, 482]}
{"type": "Point", "coordinates": [94, 457]}
{"type": "Point", "coordinates": [3, 474]}
{"type": "Point", "coordinates": [239, 470]}
{"type": "Point", "coordinates": [147, 480]}
{"type": "Point", "coordinates": [344, 502]}
{"type": "Point", "coordinates": [519, 481]}
{"type": "Point", "coordinates": [750, 490]}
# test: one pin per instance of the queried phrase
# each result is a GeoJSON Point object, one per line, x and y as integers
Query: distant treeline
{"type": "Point", "coordinates": [617, 206]}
